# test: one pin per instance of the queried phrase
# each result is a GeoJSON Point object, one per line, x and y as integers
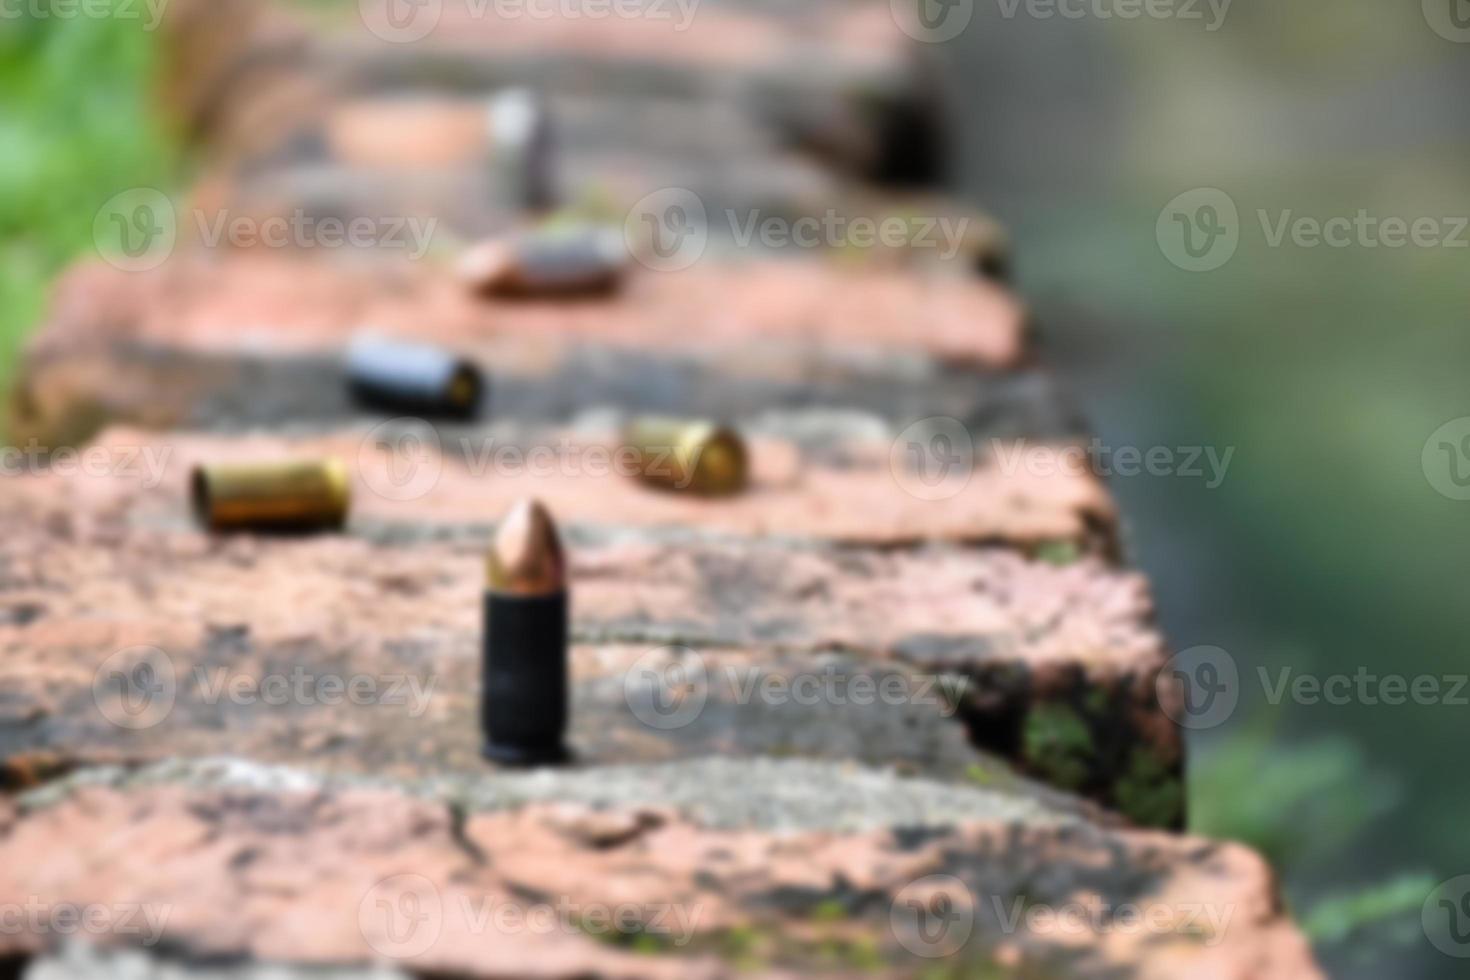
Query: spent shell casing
{"type": "Point", "coordinates": [697, 457]}
{"type": "Point", "coordinates": [413, 379]}
{"type": "Point", "coordinates": [298, 495]}
{"type": "Point", "coordinates": [565, 262]}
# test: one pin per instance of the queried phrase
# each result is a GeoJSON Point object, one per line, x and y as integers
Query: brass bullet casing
{"type": "Point", "coordinates": [697, 457]}
{"type": "Point", "coordinates": [525, 685]}
{"type": "Point", "coordinates": [289, 496]}
{"type": "Point", "coordinates": [580, 261]}
{"type": "Point", "coordinates": [522, 149]}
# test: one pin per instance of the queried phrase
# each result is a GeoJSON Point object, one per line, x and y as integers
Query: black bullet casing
{"type": "Point", "coordinates": [413, 379]}
{"type": "Point", "coordinates": [525, 686]}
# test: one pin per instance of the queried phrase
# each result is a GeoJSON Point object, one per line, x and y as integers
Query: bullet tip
{"type": "Point", "coordinates": [526, 557]}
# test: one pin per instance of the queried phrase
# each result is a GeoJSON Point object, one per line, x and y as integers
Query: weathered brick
{"type": "Point", "coordinates": [1030, 639]}
{"type": "Point", "coordinates": [842, 81]}
{"type": "Point", "coordinates": [850, 496]}
{"type": "Point", "coordinates": [237, 863]}
{"type": "Point", "coordinates": [258, 341]}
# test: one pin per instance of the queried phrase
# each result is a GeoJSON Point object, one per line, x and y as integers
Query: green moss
{"type": "Point", "coordinates": [1058, 745]}
{"type": "Point", "coordinates": [979, 775]}
{"type": "Point", "coordinates": [1058, 552]}
{"type": "Point", "coordinates": [1150, 792]}
{"type": "Point", "coordinates": [830, 910]}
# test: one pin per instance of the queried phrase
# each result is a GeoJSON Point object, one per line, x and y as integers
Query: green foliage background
{"type": "Point", "coordinates": [77, 125]}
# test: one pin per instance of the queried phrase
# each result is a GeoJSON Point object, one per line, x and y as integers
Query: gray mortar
{"type": "Point", "coordinates": [771, 795]}
{"type": "Point", "coordinates": [79, 961]}
{"type": "Point", "coordinates": [309, 394]}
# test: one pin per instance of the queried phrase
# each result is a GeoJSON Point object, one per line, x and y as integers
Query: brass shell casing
{"type": "Point", "coordinates": [305, 495]}
{"type": "Point", "coordinates": [697, 457]}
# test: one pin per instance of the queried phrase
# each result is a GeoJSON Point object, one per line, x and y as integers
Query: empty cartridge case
{"type": "Point", "coordinates": [566, 262]}
{"type": "Point", "coordinates": [294, 496]}
{"type": "Point", "coordinates": [697, 457]}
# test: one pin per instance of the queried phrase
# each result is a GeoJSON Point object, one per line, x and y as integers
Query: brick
{"type": "Point", "coordinates": [1030, 641]}
{"type": "Point", "coordinates": [239, 863]}
{"type": "Point", "coordinates": [258, 340]}
{"type": "Point", "coordinates": [854, 498]}
{"type": "Point", "coordinates": [843, 82]}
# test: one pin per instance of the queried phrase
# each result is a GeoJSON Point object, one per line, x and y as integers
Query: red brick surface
{"type": "Point", "coordinates": [297, 877]}
{"type": "Point", "coordinates": [790, 495]}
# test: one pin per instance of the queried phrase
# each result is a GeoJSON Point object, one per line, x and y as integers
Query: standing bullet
{"type": "Point", "coordinates": [689, 456]}
{"type": "Point", "coordinates": [521, 148]}
{"type": "Point", "coordinates": [523, 701]}
{"type": "Point", "coordinates": [413, 379]}
{"type": "Point", "coordinates": [294, 496]}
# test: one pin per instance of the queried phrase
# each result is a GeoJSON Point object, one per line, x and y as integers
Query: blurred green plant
{"type": "Point", "coordinates": [79, 124]}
